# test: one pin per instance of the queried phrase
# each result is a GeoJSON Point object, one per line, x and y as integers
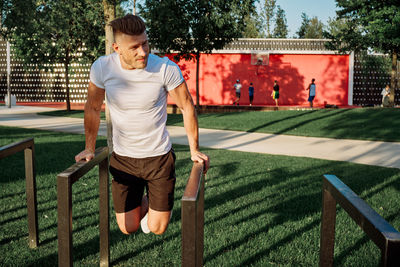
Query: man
{"type": "Point", "coordinates": [237, 86]}
{"type": "Point", "coordinates": [137, 84]}
{"type": "Point", "coordinates": [385, 96]}
{"type": "Point", "coordinates": [275, 92]}
{"type": "Point", "coordinates": [251, 93]}
{"type": "Point", "coordinates": [311, 94]}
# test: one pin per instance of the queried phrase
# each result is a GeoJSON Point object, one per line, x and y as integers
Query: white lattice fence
{"type": "Point", "coordinates": [371, 74]}
{"type": "Point", "coordinates": [32, 85]}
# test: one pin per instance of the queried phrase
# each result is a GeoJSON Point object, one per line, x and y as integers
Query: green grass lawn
{"type": "Point", "coordinates": [260, 210]}
{"type": "Point", "coordinates": [378, 124]}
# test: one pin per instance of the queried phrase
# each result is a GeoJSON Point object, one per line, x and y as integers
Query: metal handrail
{"type": "Point", "coordinates": [385, 236]}
{"type": "Point", "coordinates": [193, 218]}
{"type": "Point", "coordinates": [65, 180]}
{"type": "Point", "coordinates": [28, 145]}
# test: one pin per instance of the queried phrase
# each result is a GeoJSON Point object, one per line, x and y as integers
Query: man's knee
{"type": "Point", "coordinates": [158, 228]}
{"type": "Point", "coordinates": [128, 222]}
{"type": "Point", "coordinates": [128, 228]}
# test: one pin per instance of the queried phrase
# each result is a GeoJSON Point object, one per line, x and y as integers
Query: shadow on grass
{"type": "Point", "coordinates": [290, 209]}
{"type": "Point", "coordinates": [381, 124]}
{"type": "Point", "coordinates": [255, 129]}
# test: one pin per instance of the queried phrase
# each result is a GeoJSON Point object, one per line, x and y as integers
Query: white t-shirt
{"type": "Point", "coordinates": [237, 86]}
{"type": "Point", "coordinates": [137, 100]}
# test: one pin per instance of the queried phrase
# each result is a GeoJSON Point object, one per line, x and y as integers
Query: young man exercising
{"type": "Point", "coordinates": [137, 84]}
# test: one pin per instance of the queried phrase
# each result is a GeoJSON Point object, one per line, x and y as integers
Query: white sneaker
{"type": "Point", "coordinates": [143, 224]}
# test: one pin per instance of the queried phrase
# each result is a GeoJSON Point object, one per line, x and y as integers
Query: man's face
{"type": "Point", "coordinates": [133, 50]}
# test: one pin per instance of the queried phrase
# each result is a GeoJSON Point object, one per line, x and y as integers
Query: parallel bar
{"type": "Point", "coordinates": [385, 236]}
{"type": "Point", "coordinates": [28, 145]}
{"type": "Point", "coordinates": [328, 222]}
{"type": "Point", "coordinates": [200, 227]}
{"type": "Point", "coordinates": [104, 227]}
{"type": "Point", "coordinates": [13, 148]}
{"type": "Point", "coordinates": [64, 211]}
{"type": "Point", "coordinates": [193, 218]}
{"type": "Point", "coordinates": [79, 169]}
{"type": "Point", "coordinates": [31, 201]}
{"type": "Point", "coordinates": [65, 181]}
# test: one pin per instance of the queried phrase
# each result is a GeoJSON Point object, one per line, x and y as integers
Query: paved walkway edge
{"type": "Point", "coordinates": [385, 154]}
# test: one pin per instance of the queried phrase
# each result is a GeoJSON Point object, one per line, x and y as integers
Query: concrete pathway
{"type": "Point", "coordinates": [386, 154]}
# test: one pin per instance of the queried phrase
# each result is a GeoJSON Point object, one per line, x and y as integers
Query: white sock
{"type": "Point", "coordinates": [144, 225]}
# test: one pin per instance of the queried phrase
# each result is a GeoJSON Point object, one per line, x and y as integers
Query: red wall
{"type": "Point", "coordinates": [218, 73]}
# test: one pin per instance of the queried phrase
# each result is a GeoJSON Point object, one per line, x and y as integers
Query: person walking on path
{"type": "Point", "coordinates": [251, 93]}
{"type": "Point", "coordinates": [312, 90]}
{"type": "Point", "coordinates": [137, 84]}
{"type": "Point", "coordinates": [237, 86]}
{"type": "Point", "coordinates": [275, 92]}
{"type": "Point", "coordinates": [385, 96]}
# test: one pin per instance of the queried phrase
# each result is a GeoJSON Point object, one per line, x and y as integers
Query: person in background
{"type": "Point", "coordinates": [251, 93]}
{"type": "Point", "coordinates": [275, 92]}
{"type": "Point", "coordinates": [237, 86]}
{"type": "Point", "coordinates": [385, 96]}
{"type": "Point", "coordinates": [312, 90]}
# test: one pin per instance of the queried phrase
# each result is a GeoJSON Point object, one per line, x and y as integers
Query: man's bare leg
{"type": "Point", "coordinates": [158, 221]}
{"type": "Point", "coordinates": [129, 222]}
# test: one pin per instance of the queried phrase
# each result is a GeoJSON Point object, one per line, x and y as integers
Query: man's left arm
{"type": "Point", "coordinates": [184, 101]}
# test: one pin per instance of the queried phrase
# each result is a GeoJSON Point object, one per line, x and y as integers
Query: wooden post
{"type": "Point", "coordinates": [193, 218]}
{"type": "Point", "coordinates": [8, 74]}
{"type": "Point", "coordinates": [109, 15]}
{"type": "Point", "coordinates": [328, 221]}
{"type": "Point", "coordinates": [65, 180]}
{"type": "Point", "coordinates": [28, 146]}
{"type": "Point", "coordinates": [31, 196]}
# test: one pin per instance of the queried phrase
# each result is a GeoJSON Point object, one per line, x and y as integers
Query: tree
{"type": "Point", "coordinates": [191, 27]}
{"type": "Point", "coordinates": [301, 33]}
{"type": "Point", "coordinates": [281, 28]}
{"type": "Point", "coordinates": [310, 28]}
{"type": "Point", "coordinates": [55, 31]}
{"type": "Point", "coordinates": [314, 29]}
{"type": "Point", "coordinates": [268, 15]}
{"type": "Point", "coordinates": [254, 27]}
{"type": "Point", "coordinates": [370, 24]}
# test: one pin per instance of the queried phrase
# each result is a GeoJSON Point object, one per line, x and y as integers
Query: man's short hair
{"type": "Point", "coordinates": [129, 24]}
{"type": "Point", "coordinates": [313, 80]}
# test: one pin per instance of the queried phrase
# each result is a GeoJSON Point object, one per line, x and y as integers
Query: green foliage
{"type": "Point", "coordinates": [254, 27]}
{"type": "Point", "coordinates": [304, 24]}
{"type": "Point", "coordinates": [62, 31]}
{"type": "Point", "coordinates": [367, 24]}
{"type": "Point", "coordinates": [280, 30]}
{"type": "Point", "coordinates": [45, 33]}
{"type": "Point", "coordinates": [268, 13]}
{"type": "Point", "coordinates": [193, 26]}
{"type": "Point", "coordinates": [311, 28]}
{"type": "Point", "coordinates": [314, 29]}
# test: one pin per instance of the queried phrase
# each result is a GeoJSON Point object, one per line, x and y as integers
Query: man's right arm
{"type": "Point", "coordinates": [93, 105]}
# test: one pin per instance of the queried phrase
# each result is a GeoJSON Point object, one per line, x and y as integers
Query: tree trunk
{"type": "Point", "coordinates": [393, 81]}
{"type": "Point", "coordinates": [197, 80]}
{"type": "Point", "coordinates": [66, 72]}
{"type": "Point", "coordinates": [109, 15]}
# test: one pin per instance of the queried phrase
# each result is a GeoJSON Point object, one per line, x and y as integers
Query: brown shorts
{"type": "Point", "coordinates": [132, 175]}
